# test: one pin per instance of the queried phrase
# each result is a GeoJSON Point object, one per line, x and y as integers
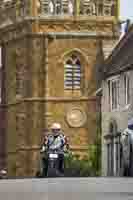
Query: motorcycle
{"type": "Point", "coordinates": [53, 159]}
{"type": "Point", "coordinates": [50, 162]}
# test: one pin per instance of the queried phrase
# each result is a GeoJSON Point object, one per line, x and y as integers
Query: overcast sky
{"type": "Point", "coordinates": [126, 9]}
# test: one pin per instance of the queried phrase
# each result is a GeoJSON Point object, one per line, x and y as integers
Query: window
{"type": "Point", "coordinates": [55, 7]}
{"type": "Point", "coordinates": [45, 6]}
{"type": "Point", "coordinates": [114, 93]}
{"type": "Point", "coordinates": [18, 83]}
{"type": "Point", "coordinates": [7, 1]}
{"type": "Point", "coordinates": [51, 7]}
{"type": "Point", "coordinates": [72, 75]}
{"type": "Point", "coordinates": [67, 7]}
{"type": "Point", "coordinates": [127, 89]}
{"type": "Point", "coordinates": [20, 74]}
{"type": "Point", "coordinates": [70, 7]}
{"type": "Point", "coordinates": [100, 9]}
{"type": "Point", "coordinates": [87, 8]}
{"type": "Point", "coordinates": [58, 7]}
{"type": "Point", "coordinates": [109, 94]}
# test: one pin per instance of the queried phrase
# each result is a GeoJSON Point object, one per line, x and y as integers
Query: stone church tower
{"type": "Point", "coordinates": [48, 53]}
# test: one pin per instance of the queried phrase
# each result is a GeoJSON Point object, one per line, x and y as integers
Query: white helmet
{"type": "Point", "coordinates": [3, 172]}
{"type": "Point", "coordinates": [56, 126]}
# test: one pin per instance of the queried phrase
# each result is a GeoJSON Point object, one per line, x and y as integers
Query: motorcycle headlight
{"type": "Point", "coordinates": [51, 155]}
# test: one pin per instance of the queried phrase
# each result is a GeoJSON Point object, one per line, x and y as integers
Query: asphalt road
{"type": "Point", "coordinates": [67, 189]}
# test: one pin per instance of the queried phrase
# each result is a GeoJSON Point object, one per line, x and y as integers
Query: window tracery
{"type": "Point", "coordinates": [87, 7]}
{"type": "Point", "coordinates": [51, 7]}
{"type": "Point", "coordinates": [72, 73]}
{"type": "Point", "coordinates": [57, 7]}
{"type": "Point", "coordinates": [70, 7]}
{"type": "Point", "coordinates": [109, 7]}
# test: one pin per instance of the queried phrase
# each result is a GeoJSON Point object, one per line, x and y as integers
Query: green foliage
{"type": "Point", "coordinates": [89, 165]}
{"type": "Point", "coordinates": [74, 166]}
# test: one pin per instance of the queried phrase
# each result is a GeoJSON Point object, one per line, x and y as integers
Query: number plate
{"type": "Point", "coordinates": [51, 155]}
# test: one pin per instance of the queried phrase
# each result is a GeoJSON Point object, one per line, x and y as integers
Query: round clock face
{"type": "Point", "coordinates": [76, 117]}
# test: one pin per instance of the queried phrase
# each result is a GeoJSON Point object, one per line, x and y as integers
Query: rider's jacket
{"type": "Point", "coordinates": [55, 142]}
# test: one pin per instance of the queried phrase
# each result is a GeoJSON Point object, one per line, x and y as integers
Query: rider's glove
{"type": "Point", "coordinates": [43, 149]}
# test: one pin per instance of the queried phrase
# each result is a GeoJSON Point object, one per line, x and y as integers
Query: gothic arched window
{"type": "Point", "coordinates": [44, 6]}
{"type": "Point", "coordinates": [51, 7]}
{"type": "Point", "coordinates": [87, 7]}
{"type": "Point", "coordinates": [58, 7]}
{"type": "Point", "coordinates": [54, 7]}
{"type": "Point", "coordinates": [72, 75]}
{"type": "Point", "coordinates": [127, 88]}
{"type": "Point", "coordinates": [100, 9]}
{"type": "Point", "coordinates": [70, 7]}
{"type": "Point", "coordinates": [67, 7]}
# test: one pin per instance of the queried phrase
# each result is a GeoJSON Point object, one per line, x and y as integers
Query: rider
{"type": "Point", "coordinates": [3, 174]}
{"type": "Point", "coordinates": [130, 124]}
{"type": "Point", "coordinates": [55, 140]}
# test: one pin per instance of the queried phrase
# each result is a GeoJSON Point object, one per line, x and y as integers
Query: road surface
{"type": "Point", "coordinates": [67, 189]}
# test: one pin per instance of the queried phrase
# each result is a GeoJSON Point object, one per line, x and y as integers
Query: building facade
{"type": "Point", "coordinates": [117, 103]}
{"type": "Point", "coordinates": [49, 50]}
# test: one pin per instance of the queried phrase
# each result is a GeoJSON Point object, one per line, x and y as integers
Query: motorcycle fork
{"type": "Point", "coordinates": [53, 163]}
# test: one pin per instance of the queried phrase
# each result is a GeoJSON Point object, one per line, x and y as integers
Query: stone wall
{"type": "Point", "coordinates": [36, 48]}
{"type": "Point", "coordinates": [120, 116]}
{"type": "Point", "coordinates": [35, 98]}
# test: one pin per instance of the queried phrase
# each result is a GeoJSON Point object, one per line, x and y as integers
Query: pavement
{"type": "Point", "coordinates": [67, 189]}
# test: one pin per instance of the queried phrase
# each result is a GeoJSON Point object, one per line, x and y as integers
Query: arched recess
{"type": "Point", "coordinates": [113, 127]}
{"type": "Point", "coordinates": [113, 149]}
